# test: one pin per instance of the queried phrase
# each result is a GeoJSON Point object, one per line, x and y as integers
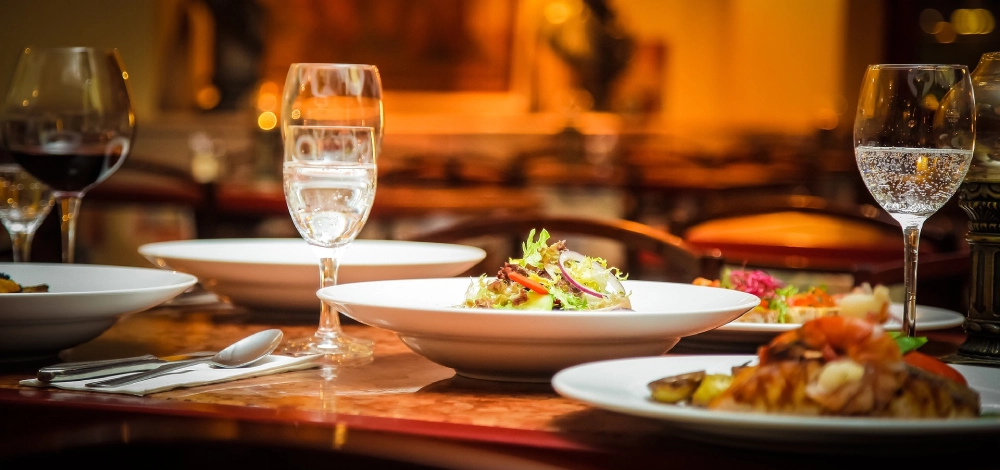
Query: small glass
{"type": "Point", "coordinates": [24, 204]}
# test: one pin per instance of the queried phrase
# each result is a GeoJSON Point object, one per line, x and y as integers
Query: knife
{"type": "Point", "coordinates": [67, 371]}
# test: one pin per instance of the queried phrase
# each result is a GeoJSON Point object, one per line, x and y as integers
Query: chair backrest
{"type": "Point", "coordinates": [805, 233]}
{"type": "Point", "coordinates": [643, 251]}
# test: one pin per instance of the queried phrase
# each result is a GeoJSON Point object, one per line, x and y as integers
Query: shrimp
{"type": "Point", "coordinates": [828, 366]}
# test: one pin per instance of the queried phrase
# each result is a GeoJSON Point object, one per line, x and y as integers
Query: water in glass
{"type": "Point", "coordinates": [24, 204]}
{"type": "Point", "coordinates": [914, 134]}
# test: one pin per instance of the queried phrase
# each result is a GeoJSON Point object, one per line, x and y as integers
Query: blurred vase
{"type": "Point", "coordinates": [979, 197]}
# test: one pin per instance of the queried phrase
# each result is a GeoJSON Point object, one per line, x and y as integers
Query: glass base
{"type": "Point", "coordinates": [337, 348]}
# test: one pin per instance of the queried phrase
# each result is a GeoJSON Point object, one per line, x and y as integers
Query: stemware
{"type": "Point", "coordinates": [331, 122]}
{"type": "Point", "coordinates": [914, 133]}
{"type": "Point", "coordinates": [68, 121]}
{"type": "Point", "coordinates": [24, 204]}
{"type": "Point", "coordinates": [329, 180]}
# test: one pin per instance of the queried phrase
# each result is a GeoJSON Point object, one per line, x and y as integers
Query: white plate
{"type": "Point", "coordinates": [283, 272]}
{"type": "Point", "coordinates": [531, 345]}
{"type": "Point", "coordinates": [741, 337]}
{"type": "Point", "coordinates": [83, 301]}
{"type": "Point", "coordinates": [621, 385]}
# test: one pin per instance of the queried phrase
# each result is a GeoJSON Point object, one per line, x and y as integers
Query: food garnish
{"type": "Point", "coordinates": [832, 366]}
{"type": "Point", "coordinates": [782, 303]}
{"type": "Point", "coordinates": [8, 286]}
{"type": "Point", "coordinates": [550, 277]}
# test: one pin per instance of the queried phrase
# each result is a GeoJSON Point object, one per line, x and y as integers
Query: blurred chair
{"type": "Point", "coordinates": [642, 251]}
{"type": "Point", "coordinates": [802, 232]}
{"type": "Point", "coordinates": [142, 202]}
{"type": "Point", "coordinates": [942, 278]}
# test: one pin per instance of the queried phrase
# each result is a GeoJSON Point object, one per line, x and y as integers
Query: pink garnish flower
{"type": "Point", "coordinates": [757, 283]}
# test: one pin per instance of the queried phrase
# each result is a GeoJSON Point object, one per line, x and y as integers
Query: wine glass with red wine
{"type": "Point", "coordinates": [68, 121]}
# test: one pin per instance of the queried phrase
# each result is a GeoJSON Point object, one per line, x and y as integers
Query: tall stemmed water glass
{"type": "Point", "coordinates": [332, 131]}
{"type": "Point", "coordinates": [24, 204]}
{"type": "Point", "coordinates": [68, 121]}
{"type": "Point", "coordinates": [329, 180]}
{"type": "Point", "coordinates": [913, 139]}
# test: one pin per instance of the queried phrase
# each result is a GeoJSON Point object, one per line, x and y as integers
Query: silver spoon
{"type": "Point", "coordinates": [241, 353]}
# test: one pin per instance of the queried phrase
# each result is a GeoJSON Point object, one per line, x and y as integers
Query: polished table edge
{"type": "Point", "coordinates": [94, 401]}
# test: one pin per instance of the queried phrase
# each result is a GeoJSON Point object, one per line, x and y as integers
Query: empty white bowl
{"type": "Point", "coordinates": [283, 273]}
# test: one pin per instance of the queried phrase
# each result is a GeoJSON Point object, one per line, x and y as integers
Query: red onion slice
{"type": "Point", "coordinates": [574, 256]}
{"type": "Point", "coordinates": [615, 284]}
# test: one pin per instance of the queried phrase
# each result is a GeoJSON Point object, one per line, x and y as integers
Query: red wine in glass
{"type": "Point", "coordinates": [68, 120]}
{"type": "Point", "coordinates": [72, 172]}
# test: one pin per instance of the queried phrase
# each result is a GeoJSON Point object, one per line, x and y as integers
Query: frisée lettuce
{"type": "Point", "coordinates": [550, 277]}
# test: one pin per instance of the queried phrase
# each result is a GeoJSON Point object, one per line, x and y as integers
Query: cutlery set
{"type": "Point", "coordinates": [239, 354]}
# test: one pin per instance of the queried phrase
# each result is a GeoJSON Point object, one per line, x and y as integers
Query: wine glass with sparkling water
{"type": "Point", "coordinates": [331, 122]}
{"type": "Point", "coordinates": [24, 204]}
{"type": "Point", "coordinates": [913, 139]}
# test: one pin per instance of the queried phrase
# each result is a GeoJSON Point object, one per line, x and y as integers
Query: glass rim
{"type": "Point", "coordinates": [64, 49]}
{"type": "Point", "coordinates": [328, 127]}
{"type": "Point", "coordinates": [917, 66]}
{"type": "Point", "coordinates": [323, 65]}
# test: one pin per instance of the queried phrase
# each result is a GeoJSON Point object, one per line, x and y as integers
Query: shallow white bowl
{"type": "Point", "coordinates": [83, 301]}
{"type": "Point", "coordinates": [531, 345]}
{"type": "Point", "coordinates": [283, 272]}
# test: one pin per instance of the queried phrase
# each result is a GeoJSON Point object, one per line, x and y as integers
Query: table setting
{"type": "Point", "coordinates": [554, 352]}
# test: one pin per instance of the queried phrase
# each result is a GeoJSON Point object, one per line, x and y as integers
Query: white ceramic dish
{"type": "Point", "coordinates": [526, 345]}
{"type": "Point", "coordinates": [283, 273]}
{"type": "Point", "coordinates": [83, 301]}
{"type": "Point", "coordinates": [621, 385]}
{"type": "Point", "coordinates": [739, 337]}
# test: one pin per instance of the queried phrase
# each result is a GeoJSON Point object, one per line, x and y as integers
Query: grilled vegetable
{"type": "Point", "coordinates": [8, 286]}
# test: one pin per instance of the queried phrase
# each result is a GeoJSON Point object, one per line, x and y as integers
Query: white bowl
{"type": "Point", "coordinates": [283, 273]}
{"type": "Point", "coordinates": [83, 301]}
{"type": "Point", "coordinates": [532, 345]}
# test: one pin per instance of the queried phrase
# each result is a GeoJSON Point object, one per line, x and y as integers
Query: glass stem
{"type": "Point", "coordinates": [329, 318]}
{"type": "Point", "coordinates": [21, 241]}
{"type": "Point", "coordinates": [69, 207]}
{"type": "Point", "coordinates": [911, 244]}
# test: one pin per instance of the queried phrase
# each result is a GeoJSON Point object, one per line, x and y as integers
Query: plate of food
{"type": "Point", "coordinates": [281, 273]}
{"type": "Point", "coordinates": [862, 391]}
{"type": "Point", "coordinates": [785, 307]}
{"type": "Point", "coordinates": [45, 308]}
{"type": "Point", "coordinates": [549, 310]}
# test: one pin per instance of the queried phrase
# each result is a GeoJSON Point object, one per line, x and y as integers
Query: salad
{"type": "Point", "coordinates": [550, 277]}
{"type": "Point", "coordinates": [780, 303]}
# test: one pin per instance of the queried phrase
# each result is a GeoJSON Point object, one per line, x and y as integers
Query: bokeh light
{"type": "Point", "coordinates": [267, 120]}
{"type": "Point", "coordinates": [930, 21]}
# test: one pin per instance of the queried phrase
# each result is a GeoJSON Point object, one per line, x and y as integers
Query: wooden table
{"type": "Point", "coordinates": [401, 411]}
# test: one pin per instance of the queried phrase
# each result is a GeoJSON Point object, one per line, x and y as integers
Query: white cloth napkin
{"type": "Point", "coordinates": [194, 375]}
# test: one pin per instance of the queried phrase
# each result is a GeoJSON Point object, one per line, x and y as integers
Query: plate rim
{"type": "Point", "coordinates": [461, 311]}
{"type": "Point", "coordinates": [180, 279]}
{"type": "Point", "coordinates": [145, 251]}
{"type": "Point", "coordinates": [763, 328]}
